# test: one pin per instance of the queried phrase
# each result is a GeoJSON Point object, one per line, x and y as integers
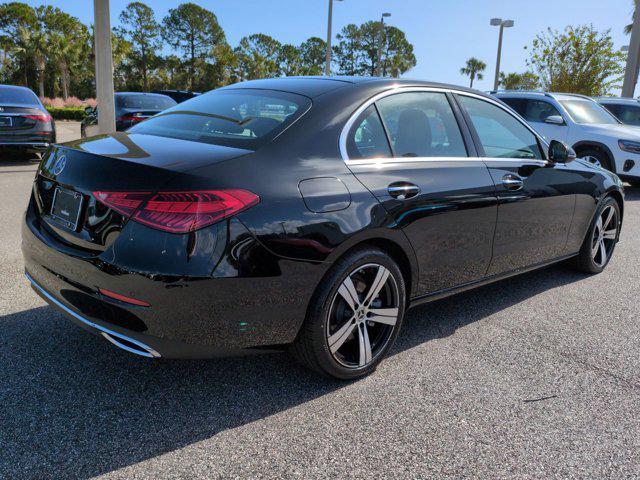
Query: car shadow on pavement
{"type": "Point", "coordinates": [72, 406]}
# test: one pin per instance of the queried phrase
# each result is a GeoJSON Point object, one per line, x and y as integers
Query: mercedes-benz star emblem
{"type": "Point", "coordinates": [61, 162]}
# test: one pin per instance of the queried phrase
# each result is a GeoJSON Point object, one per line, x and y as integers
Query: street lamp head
{"type": "Point", "coordinates": [495, 22]}
{"type": "Point", "coordinates": [386, 14]}
{"type": "Point", "coordinates": [507, 23]}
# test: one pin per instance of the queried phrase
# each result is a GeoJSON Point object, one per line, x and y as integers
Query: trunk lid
{"type": "Point", "coordinates": [15, 118]}
{"type": "Point", "coordinates": [70, 173]}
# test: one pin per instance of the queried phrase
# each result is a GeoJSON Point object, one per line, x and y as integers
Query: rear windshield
{"type": "Point", "coordinates": [239, 118]}
{"type": "Point", "coordinates": [145, 102]}
{"type": "Point", "coordinates": [19, 96]}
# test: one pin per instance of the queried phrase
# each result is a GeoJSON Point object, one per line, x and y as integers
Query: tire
{"type": "Point", "coordinates": [332, 341]}
{"type": "Point", "coordinates": [600, 156]}
{"type": "Point", "coordinates": [589, 260]}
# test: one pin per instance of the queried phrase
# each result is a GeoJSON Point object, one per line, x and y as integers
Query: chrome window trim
{"type": "Point", "coordinates": [404, 160]}
{"type": "Point", "coordinates": [408, 89]}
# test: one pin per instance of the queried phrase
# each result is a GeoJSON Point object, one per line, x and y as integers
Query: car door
{"type": "Point", "coordinates": [409, 150]}
{"type": "Point", "coordinates": [536, 197]}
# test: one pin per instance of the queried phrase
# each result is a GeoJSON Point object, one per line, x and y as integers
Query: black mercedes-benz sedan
{"type": "Point", "coordinates": [307, 214]}
{"type": "Point", "coordinates": [25, 124]}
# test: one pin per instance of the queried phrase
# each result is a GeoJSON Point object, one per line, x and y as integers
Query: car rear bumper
{"type": "Point", "coordinates": [236, 310]}
{"type": "Point", "coordinates": [35, 146]}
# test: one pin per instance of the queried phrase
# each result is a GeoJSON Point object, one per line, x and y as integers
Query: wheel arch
{"type": "Point", "coordinates": [617, 196]}
{"type": "Point", "coordinates": [393, 243]}
{"type": "Point", "coordinates": [586, 144]}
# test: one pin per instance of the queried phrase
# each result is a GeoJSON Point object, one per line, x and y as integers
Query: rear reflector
{"type": "Point", "coordinates": [131, 118]}
{"type": "Point", "coordinates": [123, 298]}
{"type": "Point", "coordinates": [178, 212]}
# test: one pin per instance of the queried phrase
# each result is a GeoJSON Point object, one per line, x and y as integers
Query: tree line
{"type": "Point", "coordinates": [576, 60]}
{"type": "Point", "coordinates": [52, 52]}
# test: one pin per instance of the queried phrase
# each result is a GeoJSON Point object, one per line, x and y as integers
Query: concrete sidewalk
{"type": "Point", "coordinates": [67, 131]}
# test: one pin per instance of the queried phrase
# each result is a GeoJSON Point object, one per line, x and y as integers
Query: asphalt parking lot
{"type": "Point", "coordinates": [534, 377]}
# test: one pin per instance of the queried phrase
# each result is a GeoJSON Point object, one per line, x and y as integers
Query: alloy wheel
{"type": "Point", "coordinates": [604, 236]}
{"type": "Point", "coordinates": [363, 315]}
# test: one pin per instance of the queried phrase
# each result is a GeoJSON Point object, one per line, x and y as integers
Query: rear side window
{"type": "Point", "coordinates": [367, 138]}
{"type": "Point", "coordinates": [500, 133]}
{"type": "Point", "coordinates": [422, 124]}
{"type": "Point", "coordinates": [19, 96]}
{"type": "Point", "coordinates": [518, 104]}
{"type": "Point", "coordinates": [241, 118]}
{"type": "Point", "coordinates": [629, 114]}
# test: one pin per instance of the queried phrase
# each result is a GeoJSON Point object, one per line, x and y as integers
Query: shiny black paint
{"type": "Point", "coordinates": [245, 283]}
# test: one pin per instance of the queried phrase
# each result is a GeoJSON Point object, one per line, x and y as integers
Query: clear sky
{"type": "Point", "coordinates": [444, 32]}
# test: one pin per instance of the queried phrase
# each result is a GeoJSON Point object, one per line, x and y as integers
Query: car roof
{"type": "Point", "coordinates": [620, 101]}
{"type": "Point", "coordinates": [538, 93]}
{"type": "Point", "coordinates": [16, 87]}
{"type": "Point", "coordinates": [315, 86]}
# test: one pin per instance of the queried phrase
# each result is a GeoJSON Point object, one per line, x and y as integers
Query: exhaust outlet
{"type": "Point", "coordinates": [124, 342]}
{"type": "Point", "coordinates": [130, 345]}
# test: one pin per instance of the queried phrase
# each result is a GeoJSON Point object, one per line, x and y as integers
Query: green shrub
{"type": "Point", "coordinates": [67, 113]}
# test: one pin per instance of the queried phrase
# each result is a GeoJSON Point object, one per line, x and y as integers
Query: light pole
{"type": "Point", "coordinates": [498, 22]}
{"type": "Point", "coordinates": [104, 67]}
{"type": "Point", "coordinates": [631, 69]}
{"type": "Point", "coordinates": [327, 67]}
{"type": "Point", "coordinates": [384, 15]}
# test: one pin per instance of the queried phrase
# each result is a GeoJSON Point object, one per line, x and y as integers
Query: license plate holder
{"type": "Point", "coordinates": [66, 207]}
{"type": "Point", "coordinates": [6, 122]}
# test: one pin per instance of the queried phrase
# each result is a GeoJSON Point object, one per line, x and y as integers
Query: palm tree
{"type": "Point", "coordinates": [473, 69]}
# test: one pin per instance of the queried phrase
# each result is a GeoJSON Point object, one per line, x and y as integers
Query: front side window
{"type": "Point", "coordinates": [501, 134]}
{"type": "Point", "coordinates": [421, 124]}
{"type": "Point", "coordinates": [241, 118]}
{"type": "Point", "coordinates": [367, 138]}
{"type": "Point", "coordinates": [539, 111]}
{"type": "Point", "coordinates": [583, 110]}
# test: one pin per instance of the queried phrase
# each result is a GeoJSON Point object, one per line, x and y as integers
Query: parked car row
{"type": "Point", "coordinates": [605, 131]}
{"type": "Point", "coordinates": [310, 213]}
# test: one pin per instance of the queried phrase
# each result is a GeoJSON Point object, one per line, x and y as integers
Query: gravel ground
{"type": "Point", "coordinates": [534, 377]}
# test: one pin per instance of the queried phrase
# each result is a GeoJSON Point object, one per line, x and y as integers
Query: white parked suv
{"type": "Point", "coordinates": [582, 123]}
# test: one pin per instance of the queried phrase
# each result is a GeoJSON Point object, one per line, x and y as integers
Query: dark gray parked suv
{"type": "Point", "coordinates": [25, 125]}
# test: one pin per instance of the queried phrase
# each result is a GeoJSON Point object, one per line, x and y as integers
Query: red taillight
{"type": "Point", "coordinates": [123, 298]}
{"type": "Point", "coordinates": [39, 117]}
{"type": "Point", "coordinates": [179, 212]}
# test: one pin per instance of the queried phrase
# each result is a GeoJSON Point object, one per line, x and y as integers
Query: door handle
{"type": "Point", "coordinates": [512, 182]}
{"type": "Point", "coordinates": [403, 190]}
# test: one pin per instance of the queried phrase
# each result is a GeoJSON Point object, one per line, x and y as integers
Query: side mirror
{"type": "Point", "coordinates": [554, 120]}
{"type": "Point", "coordinates": [560, 152]}
{"type": "Point", "coordinates": [89, 110]}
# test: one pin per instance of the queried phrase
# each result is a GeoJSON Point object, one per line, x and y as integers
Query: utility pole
{"type": "Point", "coordinates": [498, 22]}
{"type": "Point", "coordinates": [327, 67]}
{"type": "Point", "coordinates": [630, 73]}
{"type": "Point", "coordinates": [104, 67]}
{"type": "Point", "coordinates": [380, 43]}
